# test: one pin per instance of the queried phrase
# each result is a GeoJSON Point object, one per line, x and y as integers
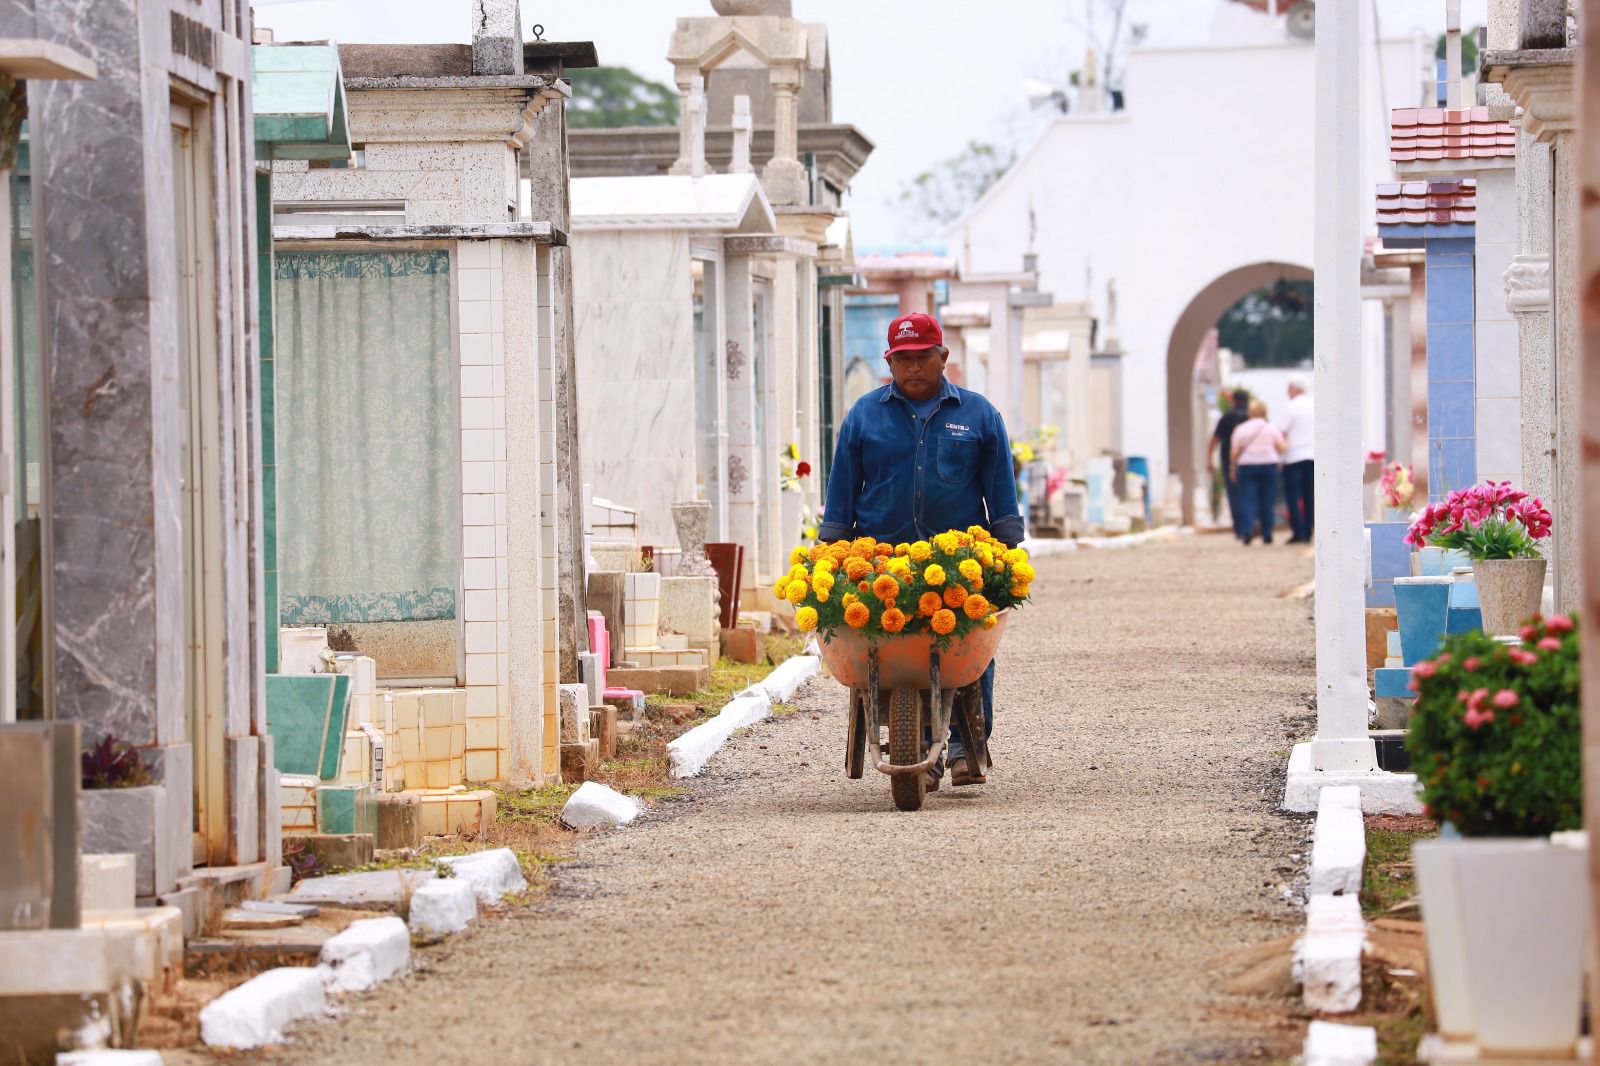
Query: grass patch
{"type": "Point", "coordinates": [1387, 880]}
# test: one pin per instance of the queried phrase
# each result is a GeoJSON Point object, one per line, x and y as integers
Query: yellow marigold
{"type": "Point", "coordinates": [806, 619]}
{"type": "Point", "coordinates": [1014, 556]}
{"type": "Point", "coordinates": [782, 587]}
{"type": "Point", "coordinates": [893, 620]}
{"type": "Point", "coordinates": [954, 595]}
{"type": "Point", "coordinates": [799, 555]}
{"type": "Point", "coordinates": [919, 551]}
{"type": "Point", "coordinates": [929, 603]}
{"type": "Point", "coordinates": [976, 607]}
{"type": "Point", "coordinates": [934, 575]}
{"type": "Point", "coordinates": [947, 543]}
{"type": "Point", "coordinates": [886, 587]}
{"type": "Point", "coordinates": [977, 533]}
{"type": "Point", "coordinates": [963, 540]}
{"type": "Point", "coordinates": [985, 556]}
{"type": "Point", "coordinates": [991, 621]}
{"type": "Point", "coordinates": [1023, 573]}
{"type": "Point", "coordinates": [1020, 591]}
{"type": "Point", "coordinates": [822, 582]}
{"type": "Point", "coordinates": [798, 572]}
{"type": "Point", "coordinates": [856, 615]}
{"type": "Point", "coordinates": [900, 570]}
{"type": "Point", "coordinates": [797, 591]}
{"type": "Point", "coordinates": [848, 598]}
{"type": "Point", "coordinates": [902, 549]}
{"type": "Point", "coordinates": [856, 569]}
{"type": "Point", "coordinates": [971, 569]}
{"type": "Point", "coordinates": [826, 566]}
{"type": "Point", "coordinates": [883, 550]}
{"type": "Point", "coordinates": [822, 595]}
{"type": "Point", "coordinates": [943, 622]}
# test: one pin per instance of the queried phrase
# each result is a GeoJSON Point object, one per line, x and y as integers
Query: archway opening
{"type": "Point", "coordinates": [1268, 322]}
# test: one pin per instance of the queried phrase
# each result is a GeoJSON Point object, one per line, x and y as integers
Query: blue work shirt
{"type": "Point", "coordinates": [899, 477]}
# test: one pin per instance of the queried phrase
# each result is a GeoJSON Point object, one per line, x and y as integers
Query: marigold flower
{"type": "Point", "coordinates": [928, 603]}
{"type": "Point", "coordinates": [819, 553]}
{"type": "Point", "coordinates": [1021, 592]}
{"type": "Point", "coordinates": [1014, 556]}
{"type": "Point", "coordinates": [934, 574]}
{"type": "Point", "coordinates": [823, 581]}
{"type": "Point", "coordinates": [863, 546]}
{"type": "Point", "coordinates": [1023, 573]}
{"type": "Point", "coordinates": [839, 551]}
{"type": "Point", "coordinates": [806, 619]}
{"type": "Point", "coordinates": [886, 587]}
{"type": "Point", "coordinates": [857, 615]}
{"type": "Point", "coordinates": [798, 572]}
{"type": "Point", "coordinates": [985, 556]}
{"type": "Point", "coordinates": [943, 622]}
{"type": "Point", "coordinates": [902, 549]}
{"type": "Point", "coordinates": [900, 568]}
{"type": "Point", "coordinates": [864, 586]}
{"type": "Point", "coordinates": [826, 566]}
{"type": "Point", "coordinates": [976, 607]}
{"type": "Point", "coordinates": [883, 550]}
{"type": "Point", "coordinates": [799, 555]}
{"type": "Point", "coordinates": [822, 595]}
{"type": "Point", "coordinates": [955, 595]}
{"type": "Point", "coordinates": [848, 598]}
{"type": "Point", "coordinates": [947, 543]}
{"type": "Point", "coordinates": [782, 587]}
{"type": "Point", "coordinates": [977, 533]}
{"type": "Point", "coordinates": [893, 620]}
{"type": "Point", "coordinates": [856, 569]}
{"type": "Point", "coordinates": [797, 591]}
{"type": "Point", "coordinates": [971, 569]}
{"type": "Point", "coordinates": [990, 621]}
{"type": "Point", "coordinates": [920, 551]}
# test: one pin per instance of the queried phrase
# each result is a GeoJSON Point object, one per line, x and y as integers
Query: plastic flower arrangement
{"type": "Point", "coordinates": [1395, 486]}
{"type": "Point", "coordinates": [1495, 735]}
{"type": "Point", "coordinates": [1488, 521]}
{"type": "Point", "coordinates": [791, 468]}
{"type": "Point", "coordinates": [946, 586]}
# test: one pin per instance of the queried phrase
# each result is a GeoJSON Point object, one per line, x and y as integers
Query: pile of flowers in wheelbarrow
{"type": "Point", "coordinates": [945, 587]}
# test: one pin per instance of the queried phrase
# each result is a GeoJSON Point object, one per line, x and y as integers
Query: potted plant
{"type": "Point", "coordinates": [1495, 742]}
{"type": "Point", "coordinates": [1498, 528]}
{"type": "Point", "coordinates": [123, 809]}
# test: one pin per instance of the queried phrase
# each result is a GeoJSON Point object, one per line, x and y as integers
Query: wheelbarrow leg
{"type": "Point", "coordinates": [855, 749]}
{"type": "Point", "coordinates": [970, 703]}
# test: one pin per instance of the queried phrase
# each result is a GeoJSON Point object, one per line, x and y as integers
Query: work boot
{"type": "Point", "coordinates": [961, 772]}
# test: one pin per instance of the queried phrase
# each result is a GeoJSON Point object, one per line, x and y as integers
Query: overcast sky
{"type": "Point", "coordinates": [920, 78]}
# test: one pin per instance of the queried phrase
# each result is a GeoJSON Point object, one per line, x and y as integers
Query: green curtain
{"type": "Point", "coordinates": [365, 426]}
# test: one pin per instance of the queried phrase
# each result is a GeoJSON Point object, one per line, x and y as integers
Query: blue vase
{"type": "Point", "coordinates": [1422, 607]}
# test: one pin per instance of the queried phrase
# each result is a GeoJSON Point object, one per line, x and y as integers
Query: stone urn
{"type": "Point", "coordinates": [1510, 592]}
{"type": "Point", "coordinates": [693, 519]}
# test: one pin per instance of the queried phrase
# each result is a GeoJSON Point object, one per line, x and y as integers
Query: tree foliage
{"type": "Point", "coordinates": [1469, 51]}
{"type": "Point", "coordinates": [608, 97]}
{"type": "Point", "coordinates": [942, 193]}
{"type": "Point", "coordinates": [1272, 326]}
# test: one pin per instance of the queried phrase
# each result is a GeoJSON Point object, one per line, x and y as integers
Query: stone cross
{"type": "Point", "coordinates": [743, 127]}
{"type": "Point", "coordinates": [695, 117]}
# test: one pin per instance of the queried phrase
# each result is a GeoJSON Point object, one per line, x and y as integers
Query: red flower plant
{"type": "Point", "coordinates": [802, 469]}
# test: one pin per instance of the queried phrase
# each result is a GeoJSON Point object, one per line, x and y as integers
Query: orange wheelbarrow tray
{"type": "Point", "coordinates": [906, 660]}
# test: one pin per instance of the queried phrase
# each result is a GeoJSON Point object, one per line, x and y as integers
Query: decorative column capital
{"type": "Point", "coordinates": [1527, 282]}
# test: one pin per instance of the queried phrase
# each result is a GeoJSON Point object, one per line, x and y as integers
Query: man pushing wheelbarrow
{"type": "Point", "coordinates": [916, 560]}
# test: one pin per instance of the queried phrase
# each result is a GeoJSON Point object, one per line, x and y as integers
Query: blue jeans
{"type": "Point", "coordinates": [958, 748]}
{"type": "Point", "coordinates": [1257, 495]}
{"type": "Point", "coordinates": [1232, 491]}
{"type": "Point", "coordinates": [1299, 492]}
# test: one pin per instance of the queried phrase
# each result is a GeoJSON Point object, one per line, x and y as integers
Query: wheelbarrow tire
{"type": "Point", "coordinates": [905, 748]}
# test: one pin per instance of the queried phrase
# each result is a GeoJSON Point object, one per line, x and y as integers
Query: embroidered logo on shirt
{"type": "Point", "coordinates": [952, 425]}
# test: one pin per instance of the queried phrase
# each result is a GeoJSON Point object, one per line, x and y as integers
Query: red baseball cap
{"type": "Point", "coordinates": [914, 332]}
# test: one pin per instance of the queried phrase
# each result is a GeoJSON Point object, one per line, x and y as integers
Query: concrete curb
{"type": "Point", "coordinates": [1332, 1044]}
{"type": "Point", "coordinates": [441, 907]}
{"type": "Point", "coordinates": [690, 752]}
{"type": "Point", "coordinates": [1327, 958]}
{"type": "Point", "coordinates": [257, 1011]}
{"type": "Point", "coordinates": [367, 953]}
{"type": "Point", "coordinates": [1339, 845]}
{"type": "Point", "coordinates": [492, 874]}
{"type": "Point", "coordinates": [109, 1057]}
{"type": "Point", "coordinates": [1382, 792]}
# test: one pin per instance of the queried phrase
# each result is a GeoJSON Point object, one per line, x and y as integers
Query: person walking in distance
{"type": "Point", "coordinates": [1299, 482]}
{"type": "Point", "coordinates": [1222, 441]}
{"type": "Point", "coordinates": [1258, 447]}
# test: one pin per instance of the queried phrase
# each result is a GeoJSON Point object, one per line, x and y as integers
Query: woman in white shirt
{"type": "Point", "coordinates": [1258, 448]}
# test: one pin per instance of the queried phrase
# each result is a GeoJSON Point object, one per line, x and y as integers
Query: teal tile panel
{"type": "Point", "coordinates": [306, 716]}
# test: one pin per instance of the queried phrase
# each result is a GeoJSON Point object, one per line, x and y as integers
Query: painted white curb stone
{"type": "Point", "coordinates": [1382, 792]}
{"type": "Point", "coordinates": [492, 874]}
{"type": "Point", "coordinates": [1332, 1044]}
{"type": "Point", "coordinates": [690, 752]}
{"type": "Point", "coordinates": [108, 1057]}
{"type": "Point", "coordinates": [595, 806]}
{"type": "Point", "coordinates": [442, 907]}
{"type": "Point", "coordinates": [1339, 847]}
{"type": "Point", "coordinates": [255, 1013]}
{"type": "Point", "coordinates": [1328, 958]}
{"type": "Point", "coordinates": [787, 677]}
{"type": "Point", "coordinates": [370, 951]}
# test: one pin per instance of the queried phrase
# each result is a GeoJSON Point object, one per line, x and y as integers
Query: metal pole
{"type": "Point", "coordinates": [1342, 742]}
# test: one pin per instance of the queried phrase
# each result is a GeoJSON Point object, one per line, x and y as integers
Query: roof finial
{"type": "Point", "coordinates": [742, 129]}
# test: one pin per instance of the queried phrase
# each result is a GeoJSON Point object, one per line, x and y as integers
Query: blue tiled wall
{"type": "Point", "coordinates": [866, 327]}
{"type": "Point", "coordinates": [1452, 422]}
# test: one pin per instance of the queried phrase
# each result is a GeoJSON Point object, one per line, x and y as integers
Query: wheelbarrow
{"type": "Point", "coordinates": [908, 684]}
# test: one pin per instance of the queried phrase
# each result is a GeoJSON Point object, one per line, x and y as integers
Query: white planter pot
{"type": "Point", "coordinates": [1509, 592]}
{"type": "Point", "coordinates": [1506, 925]}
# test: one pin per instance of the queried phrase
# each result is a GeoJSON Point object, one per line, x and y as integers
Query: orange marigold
{"type": "Point", "coordinates": [886, 587]}
{"type": "Point", "coordinates": [818, 551]}
{"type": "Point", "coordinates": [976, 607]}
{"type": "Point", "coordinates": [893, 620]}
{"type": "Point", "coordinates": [864, 586]}
{"type": "Point", "coordinates": [863, 545]}
{"type": "Point", "coordinates": [955, 596]}
{"type": "Point", "coordinates": [929, 603]}
{"type": "Point", "coordinates": [943, 622]}
{"type": "Point", "coordinates": [856, 569]}
{"type": "Point", "coordinates": [857, 615]}
{"type": "Point", "coordinates": [883, 551]}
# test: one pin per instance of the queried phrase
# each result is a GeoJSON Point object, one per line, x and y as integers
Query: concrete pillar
{"type": "Point", "coordinates": [1568, 512]}
{"type": "Point", "coordinates": [496, 37]}
{"type": "Point", "coordinates": [1341, 743]}
{"type": "Point", "coordinates": [684, 78]}
{"type": "Point", "coordinates": [1527, 287]}
{"type": "Point", "coordinates": [783, 177]}
{"type": "Point", "coordinates": [550, 200]}
{"type": "Point", "coordinates": [527, 271]}
{"type": "Point", "coordinates": [739, 368]}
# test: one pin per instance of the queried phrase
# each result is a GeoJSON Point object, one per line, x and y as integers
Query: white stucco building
{"type": "Point", "coordinates": [1196, 193]}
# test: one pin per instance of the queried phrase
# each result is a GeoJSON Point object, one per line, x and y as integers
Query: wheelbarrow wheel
{"type": "Point", "coordinates": [905, 747]}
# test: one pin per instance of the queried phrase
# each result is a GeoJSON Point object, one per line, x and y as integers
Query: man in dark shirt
{"type": "Point", "coordinates": [917, 457]}
{"type": "Point", "coordinates": [1231, 420]}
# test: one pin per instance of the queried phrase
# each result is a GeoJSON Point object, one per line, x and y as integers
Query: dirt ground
{"type": "Point", "coordinates": [1070, 911]}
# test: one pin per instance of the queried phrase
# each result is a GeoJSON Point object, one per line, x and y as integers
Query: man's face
{"type": "Point", "coordinates": [918, 373]}
{"type": "Point", "coordinates": [1294, 391]}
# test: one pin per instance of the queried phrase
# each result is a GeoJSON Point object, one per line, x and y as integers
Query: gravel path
{"type": "Point", "coordinates": [1069, 911]}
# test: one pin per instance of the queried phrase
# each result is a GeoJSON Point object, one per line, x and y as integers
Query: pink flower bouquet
{"type": "Point", "coordinates": [1488, 521]}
